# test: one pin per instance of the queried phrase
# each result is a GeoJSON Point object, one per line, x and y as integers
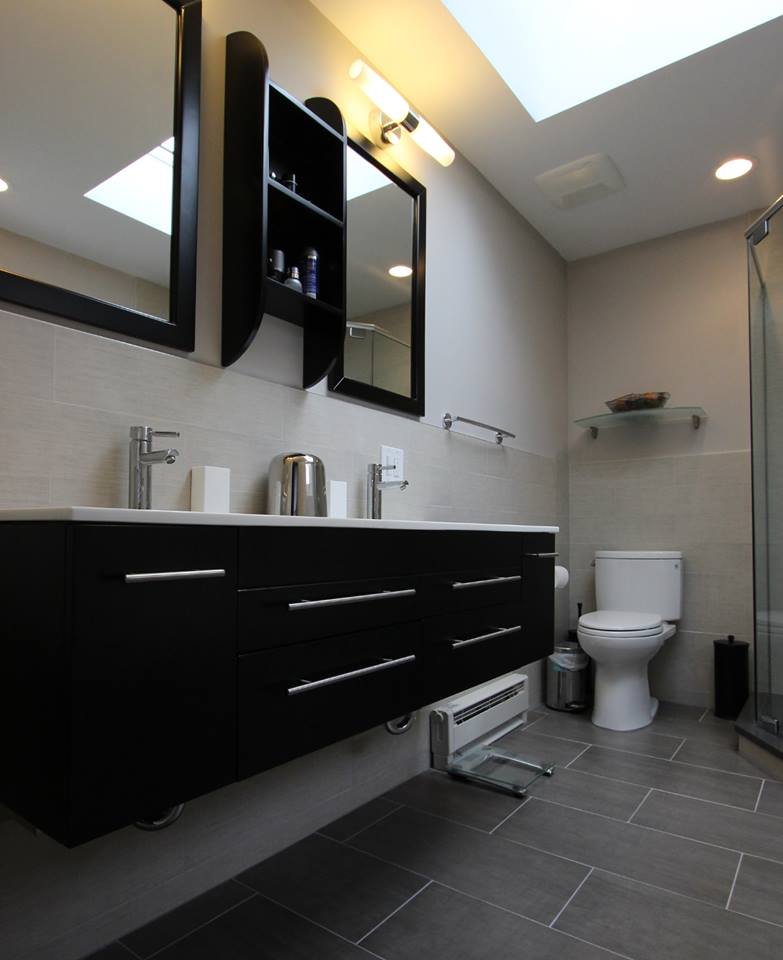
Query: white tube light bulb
{"type": "Point", "coordinates": [382, 94]}
{"type": "Point", "coordinates": [432, 142]}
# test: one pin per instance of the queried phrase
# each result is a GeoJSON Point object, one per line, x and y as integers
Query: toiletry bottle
{"type": "Point", "coordinates": [277, 265]}
{"type": "Point", "coordinates": [293, 280]}
{"type": "Point", "coordinates": [310, 272]}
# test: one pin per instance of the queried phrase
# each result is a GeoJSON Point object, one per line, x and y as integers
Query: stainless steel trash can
{"type": "Point", "coordinates": [568, 678]}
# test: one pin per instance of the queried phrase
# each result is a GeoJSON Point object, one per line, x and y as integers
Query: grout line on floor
{"type": "Point", "coordinates": [734, 881]}
{"type": "Point", "coordinates": [644, 826]}
{"type": "Point", "coordinates": [322, 926]}
{"type": "Point", "coordinates": [758, 798]}
{"type": "Point", "coordinates": [538, 923]}
{"type": "Point", "coordinates": [639, 805]}
{"type": "Point", "coordinates": [682, 763]}
{"type": "Point", "coordinates": [682, 744]}
{"type": "Point", "coordinates": [604, 746]}
{"type": "Point", "coordinates": [510, 815]}
{"type": "Point", "coordinates": [707, 710]}
{"type": "Point", "coordinates": [579, 886]}
{"type": "Point", "coordinates": [253, 893]}
{"type": "Point", "coordinates": [396, 910]}
{"type": "Point", "coordinates": [674, 793]}
{"type": "Point", "coordinates": [750, 916]}
{"type": "Point", "coordinates": [567, 766]}
{"type": "Point", "coordinates": [397, 806]}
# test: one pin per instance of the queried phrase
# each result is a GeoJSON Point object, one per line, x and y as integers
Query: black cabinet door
{"type": "Point", "coordinates": [153, 671]}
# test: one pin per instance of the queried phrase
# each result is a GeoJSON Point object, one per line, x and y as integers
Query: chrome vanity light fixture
{"type": "Point", "coordinates": [393, 115]}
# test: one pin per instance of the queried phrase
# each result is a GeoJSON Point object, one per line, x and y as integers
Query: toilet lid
{"type": "Point", "coordinates": [621, 621]}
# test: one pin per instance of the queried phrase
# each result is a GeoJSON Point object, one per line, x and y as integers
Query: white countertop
{"type": "Point", "coordinates": [124, 515]}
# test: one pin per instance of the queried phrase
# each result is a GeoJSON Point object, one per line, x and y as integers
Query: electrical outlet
{"type": "Point", "coordinates": [393, 457]}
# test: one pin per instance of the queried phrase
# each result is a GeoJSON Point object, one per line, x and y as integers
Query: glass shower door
{"type": "Point", "coordinates": [765, 263]}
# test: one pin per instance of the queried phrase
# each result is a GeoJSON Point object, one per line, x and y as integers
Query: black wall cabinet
{"type": "Point", "coordinates": [269, 137]}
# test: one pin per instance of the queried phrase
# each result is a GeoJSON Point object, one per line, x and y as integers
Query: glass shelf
{"type": "Point", "coordinates": [659, 415]}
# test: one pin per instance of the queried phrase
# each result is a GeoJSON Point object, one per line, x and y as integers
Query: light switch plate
{"type": "Point", "coordinates": [393, 456]}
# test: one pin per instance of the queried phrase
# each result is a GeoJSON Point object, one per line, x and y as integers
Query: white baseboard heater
{"type": "Point", "coordinates": [466, 736]}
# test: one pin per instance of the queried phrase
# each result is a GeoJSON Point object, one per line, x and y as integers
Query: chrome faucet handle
{"type": "Point", "coordinates": [164, 433]}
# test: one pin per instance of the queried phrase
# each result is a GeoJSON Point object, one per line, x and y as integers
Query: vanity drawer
{"type": "Point", "coordinates": [298, 698]}
{"type": "Point", "coordinates": [462, 650]}
{"type": "Point", "coordinates": [283, 615]}
{"type": "Point", "coordinates": [275, 556]}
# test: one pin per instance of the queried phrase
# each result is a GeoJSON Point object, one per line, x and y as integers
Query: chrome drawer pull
{"type": "Point", "coordinates": [308, 685]}
{"type": "Point", "coordinates": [541, 556]}
{"type": "Point", "coordinates": [174, 575]}
{"type": "Point", "coordinates": [361, 598]}
{"type": "Point", "coordinates": [501, 632]}
{"type": "Point", "coordinates": [467, 584]}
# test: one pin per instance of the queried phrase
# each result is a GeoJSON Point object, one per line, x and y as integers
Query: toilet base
{"type": "Point", "coordinates": [622, 697]}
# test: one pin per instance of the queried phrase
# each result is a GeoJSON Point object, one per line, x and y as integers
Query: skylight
{"type": "Point", "coordinates": [361, 177]}
{"type": "Point", "coordinates": [556, 55]}
{"type": "Point", "coordinates": [143, 189]}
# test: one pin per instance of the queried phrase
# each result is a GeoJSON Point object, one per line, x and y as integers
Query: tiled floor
{"type": "Point", "coordinates": [659, 843]}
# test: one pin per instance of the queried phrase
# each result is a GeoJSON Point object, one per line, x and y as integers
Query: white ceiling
{"type": "Point", "coordinates": [666, 131]}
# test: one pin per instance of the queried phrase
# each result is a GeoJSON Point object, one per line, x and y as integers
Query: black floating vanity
{"type": "Point", "coordinates": [150, 657]}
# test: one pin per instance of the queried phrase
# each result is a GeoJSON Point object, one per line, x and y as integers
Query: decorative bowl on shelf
{"type": "Point", "coordinates": [638, 401]}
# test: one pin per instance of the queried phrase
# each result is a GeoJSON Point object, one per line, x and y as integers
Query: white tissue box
{"type": "Point", "coordinates": [210, 489]}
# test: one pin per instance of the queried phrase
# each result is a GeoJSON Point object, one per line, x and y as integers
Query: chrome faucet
{"type": "Point", "coordinates": [375, 487]}
{"type": "Point", "coordinates": [140, 460]}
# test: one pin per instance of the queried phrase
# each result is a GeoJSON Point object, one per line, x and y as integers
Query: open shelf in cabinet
{"type": "Point", "coordinates": [267, 131]}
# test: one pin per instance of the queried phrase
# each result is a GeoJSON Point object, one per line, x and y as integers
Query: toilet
{"type": "Point", "coordinates": [639, 598]}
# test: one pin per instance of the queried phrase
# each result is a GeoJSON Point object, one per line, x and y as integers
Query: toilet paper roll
{"type": "Point", "coordinates": [561, 578]}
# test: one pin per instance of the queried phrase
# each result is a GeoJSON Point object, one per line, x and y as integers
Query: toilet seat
{"type": "Point", "coordinates": [621, 625]}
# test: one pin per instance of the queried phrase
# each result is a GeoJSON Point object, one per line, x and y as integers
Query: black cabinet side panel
{"type": "Point", "coordinates": [34, 673]}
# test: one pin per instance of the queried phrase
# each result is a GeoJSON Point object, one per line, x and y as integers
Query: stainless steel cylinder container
{"type": "Point", "coordinates": [568, 678]}
{"type": "Point", "coordinates": [297, 486]}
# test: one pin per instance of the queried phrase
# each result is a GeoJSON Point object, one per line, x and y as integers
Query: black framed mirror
{"type": "Point", "coordinates": [382, 360]}
{"type": "Point", "coordinates": [99, 158]}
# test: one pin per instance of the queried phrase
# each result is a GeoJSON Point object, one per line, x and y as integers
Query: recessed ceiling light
{"type": "Point", "coordinates": [736, 167]}
{"type": "Point", "coordinates": [400, 271]}
{"type": "Point", "coordinates": [3, 185]}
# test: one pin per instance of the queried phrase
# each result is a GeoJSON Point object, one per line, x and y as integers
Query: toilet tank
{"type": "Point", "coordinates": [648, 581]}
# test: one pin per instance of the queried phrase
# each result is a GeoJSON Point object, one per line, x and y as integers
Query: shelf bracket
{"type": "Point", "coordinates": [593, 432]}
{"type": "Point", "coordinates": [696, 421]}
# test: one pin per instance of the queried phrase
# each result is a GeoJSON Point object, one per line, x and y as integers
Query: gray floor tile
{"type": "Point", "coordinates": [594, 794]}
{"type": "Point", "coordinates": [771, 801]}
{"type": "Point", "coordinates": [693, 869]}
{"type": "Point", "coordinates": [115, 951]}
{"type": "Point", "coordinates": [679, 711]}
{"type": "Point", "coordinates": [759, 890]}
{"type": "Point", "coordinates": [261, 930]}
{"type": "Point", "coordinates": [441, 924]}
{"type": "Point", "coordinates": [649, 924]}
{"type": "Point", "coordinates": [580, 727]}
{"type": "Point", "coordinates": [718, 756]}
{"type": "Point", "coordinates": [358, 819]}
{"type": "Point", "coordinates": [332, 884]}
{"type": "Point", "coordinates": [166, 929]}
{"type": "Point", "coordinates": [481, 865]}
{"type": "Point", "coordinates": [741, 830]}
{"type": "Point", "coordinates": [532, 746]}
{"type": "Point", "coordinates": [676, 777]}
{"type": "Point", "coordinates": [676, 726]}
{"type": "Point", "coordinates": [467, 803]}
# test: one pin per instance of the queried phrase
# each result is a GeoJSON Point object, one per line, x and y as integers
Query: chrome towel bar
{"type": "Point", "coordinates": [500, 434]}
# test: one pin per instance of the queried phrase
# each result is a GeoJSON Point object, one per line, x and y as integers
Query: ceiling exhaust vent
{"type": "Point", "coordinates": [581, 181]}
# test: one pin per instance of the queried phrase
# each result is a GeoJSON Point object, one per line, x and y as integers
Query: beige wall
{"type": "Point", "coordinates": [669, 314]}
{"type": "Point", "coordinates": [39, 261]}
{"type": "Point", "coordinates": [495, 351]}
